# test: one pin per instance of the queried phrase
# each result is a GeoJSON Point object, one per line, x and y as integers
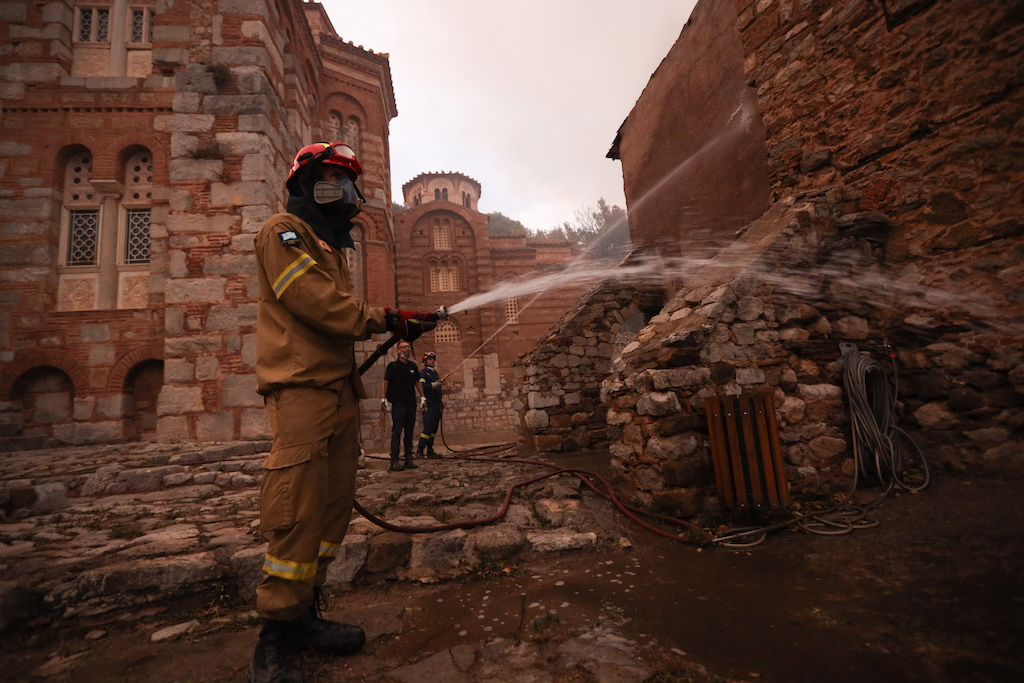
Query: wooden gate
{"type": "Point", "coordinates": [745, 450]}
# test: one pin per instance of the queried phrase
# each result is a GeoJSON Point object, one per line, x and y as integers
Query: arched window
{"type": "Point", "coordinates": [353, 134]}
{"type": "Point", "coordinates": [444, 275]}
{"type": "Point", "coordinates": [81, 213]}
{"type": "Point", "coordinates": [105, 240]}
{"type": "Point", "coordinates": [137, 203]}
{"type": "Point", "coordinates": [416, 199]}
{"type": "Point", "coordinates": [444, 194]}
{"type": "Point", "coordinates": [435, 276]}
{"type": "Point", "coordinates": [112, 39]}
{"type": "Point", "coordinates": [93, 25]}
{"type": "Point", "coordinates": [442, 234]}
{"type": "Point", "coordinates": [446, 331]}
{"type": "Point", "coordinates": [453, 276]}
{"type": "Point", "coordinates": [437, 194]}
{"type": "Point", "coordinates": [355, 263]}
{"type": "Point", "coordinates": [334, 127]}
{"type": "Point", "coordinates": [512, 310]}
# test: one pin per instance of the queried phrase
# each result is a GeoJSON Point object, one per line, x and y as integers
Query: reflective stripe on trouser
{"type": "Point", "coordinates": [307, 493]}
{"type": "Point", "coordinates": [431, 421]}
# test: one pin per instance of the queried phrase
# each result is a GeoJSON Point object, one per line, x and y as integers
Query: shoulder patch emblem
{"type": "Point", "coordinates": [326, 247]}
{"type": "Point", "coordinates": [289, 238]}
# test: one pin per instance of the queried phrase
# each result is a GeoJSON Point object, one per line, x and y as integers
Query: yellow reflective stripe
{"type": "Point", "coordinates": [285, 569]}
{"type": "Point", "coordinates": [329, 549]}
{"type": "Point", "coordinates": [297, 268]}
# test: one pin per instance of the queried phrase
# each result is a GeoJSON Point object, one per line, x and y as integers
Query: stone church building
{"type": "Point", "coordinates": [142, 146]}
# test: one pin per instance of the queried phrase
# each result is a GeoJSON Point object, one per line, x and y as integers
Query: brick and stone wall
{"type": "Point", "coordinates": [226, 101]}
{"type": "Point", "coordinates": [489, 338]}
{"type": "Point", "coordinates": [891, 137]}
{"type": "Point", "coordinates": [560, 402]}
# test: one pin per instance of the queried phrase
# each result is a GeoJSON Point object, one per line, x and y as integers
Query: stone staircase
{"type": "Point", "coordinates": [101, 530]}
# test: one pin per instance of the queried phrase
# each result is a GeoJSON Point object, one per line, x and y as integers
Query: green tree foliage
{"type": "Point", "coordinates": [500, 225]}
{"type": "Point", "coordinates": [397, 208]}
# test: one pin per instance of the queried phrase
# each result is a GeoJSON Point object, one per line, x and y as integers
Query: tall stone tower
{"type": "Point", "coordinates": [141, 149]}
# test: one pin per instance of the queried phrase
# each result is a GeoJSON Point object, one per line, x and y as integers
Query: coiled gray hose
{"type": "Point", "coordinates": [876, 439]}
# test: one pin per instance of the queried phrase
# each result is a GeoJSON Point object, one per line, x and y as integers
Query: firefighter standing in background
{"type": "Point", "coordinates": [307, 323]}
{"type": "Point", "coordinates": [431, 383]}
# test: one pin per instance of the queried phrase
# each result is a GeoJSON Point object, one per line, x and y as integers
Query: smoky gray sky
{"type": "Point", "coordinates": [524, 97]}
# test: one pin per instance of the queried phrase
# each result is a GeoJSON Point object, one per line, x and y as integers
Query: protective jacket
{"type": "Point", "coordinates": [431, 382]}
{"type": "Point", "coordinates": [308, 319]}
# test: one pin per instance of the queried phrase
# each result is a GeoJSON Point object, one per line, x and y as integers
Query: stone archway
{"type": "Point", "coordinates": [560, 391]}
{"type": "Point", "coordinates": [141, 388]}
{"type": "Point", "coordinates": [45, 397]}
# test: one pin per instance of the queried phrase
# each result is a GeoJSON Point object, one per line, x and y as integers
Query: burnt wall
{"type": "Point", "coordinates": [911, 109]}
{"type": "Point", "coordinates": [692, 149]}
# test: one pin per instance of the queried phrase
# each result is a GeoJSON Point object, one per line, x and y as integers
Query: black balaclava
{"type": "Point", "coordinates": [328, 221]}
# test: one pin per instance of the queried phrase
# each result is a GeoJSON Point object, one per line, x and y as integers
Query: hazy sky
{"type": "Point", "coordinates": [524, 97]}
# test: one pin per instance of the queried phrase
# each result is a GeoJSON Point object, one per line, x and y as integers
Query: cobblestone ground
{"type": "Point", "coordinates": [138, 563]}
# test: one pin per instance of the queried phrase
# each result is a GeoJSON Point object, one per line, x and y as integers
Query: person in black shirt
{"type": "Point", "coordinates": [400, 389]}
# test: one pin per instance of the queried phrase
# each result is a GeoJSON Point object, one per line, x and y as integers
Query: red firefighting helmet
{"type": "Point", "coordinates": [337, 153]}
{"type": "Point", "coordinates": [428, 354]}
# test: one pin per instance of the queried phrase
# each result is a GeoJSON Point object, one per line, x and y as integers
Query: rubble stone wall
{"type": "Point", "coordinates": [560, 381]}
{"type": "Point", "coordinates": [892, 133]}
{"type": "Point", "coordinates": [739, 326]}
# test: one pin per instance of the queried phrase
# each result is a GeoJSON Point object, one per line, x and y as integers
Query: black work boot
{"type": "Point", "coordinates": [396, 465]}
{"type": "Point", "coordinates": [273, 660]}
{"type": "Point", "coordinates": [311, 630]}
{"type": "Point", "coordinates": [431, 454]}
{"type": "Point", "coordinates": [409, 464]}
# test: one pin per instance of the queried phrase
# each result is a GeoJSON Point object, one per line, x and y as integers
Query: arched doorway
{"type": "Point", "coordinates": [46, 397]}
{"type": "Point", "coordinates": [141, 388]}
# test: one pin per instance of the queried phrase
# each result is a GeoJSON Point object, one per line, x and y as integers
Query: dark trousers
{"type": "Point", "coordinates": [403, 418]}
{"type": "Point", "coordinates": [431, 420]}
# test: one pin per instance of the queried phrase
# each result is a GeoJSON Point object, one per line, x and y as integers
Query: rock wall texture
{"type": "Point", "coordinates": [892, 134]}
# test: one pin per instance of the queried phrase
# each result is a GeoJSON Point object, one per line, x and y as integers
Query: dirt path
{"type": "Point", "coordinates": [934, 593]}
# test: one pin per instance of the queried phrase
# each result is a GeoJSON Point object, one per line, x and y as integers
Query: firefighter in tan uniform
{"type": "Point", "coordinates": [307, 324]}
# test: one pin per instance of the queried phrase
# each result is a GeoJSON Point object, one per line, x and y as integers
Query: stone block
{"type": "Point", "coordinates": [433, 554]}
{"type": "Point", "coordinates": [658, 403]}
{"type": "Point", "coordinates": [537, 400]}
{"type": "Point", "coordinates": [935, 416]}
{"type": "Point", "coordinates": [195, 290]}
{"type": "Point", "coordinates": [388, 551]}
{"type": "Point", "coordinates": [536, 419]}
{"type": "Point", "coordinates": [215, 426]}
{"type": "Point", "coordinates": [240, 391]}
{"type": "Point", "coordinates": [672, 447]}
{"type": "Point", "coordinates": [350, 560]}
{"type": "Point", "coordinates": [175, 400]}
{"type": "Point", "coordinates": [196, 170]}
{"type": "Point", "coordinates": [559, 540]}
{"type": "Point", "coordinates": [236, 104]}
{"type": "Point", "coordinates": [241, 194]}
{"type": "Point", "coordinates": [820, 392]}
{"type": "Point", "coordinates": [496, 542]}
{"type": "Point", "coordinates": [183, 123]}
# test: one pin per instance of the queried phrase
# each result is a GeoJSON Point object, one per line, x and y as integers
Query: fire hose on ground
{"type": "Point", "coordinates": [878, 456]}
{"type": "Point", "coordinates": [694, 534]}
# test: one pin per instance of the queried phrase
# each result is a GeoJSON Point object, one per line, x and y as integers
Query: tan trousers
{"type": "Point", "coordinates": [307, 493]}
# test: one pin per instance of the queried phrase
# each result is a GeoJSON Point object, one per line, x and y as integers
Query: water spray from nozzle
{"type": "Point", "coordinates": [442, 313]}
